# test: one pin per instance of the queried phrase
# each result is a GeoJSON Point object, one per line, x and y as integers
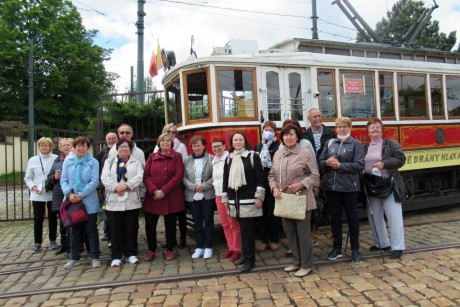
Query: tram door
{"type": "Point", "coordinates": [284, 94]}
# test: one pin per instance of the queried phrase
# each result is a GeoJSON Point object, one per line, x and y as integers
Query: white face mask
{"type": "Point", "coordinates": [268, 135]}
{"type": "Point", "coordinates": [343, 137]}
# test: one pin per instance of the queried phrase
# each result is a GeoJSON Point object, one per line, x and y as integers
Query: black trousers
{"type": "Point", "coordinates": [151, 221]}
{"type": "Point", "coordinates": [248, 239]}
{"type": "Point", "coordinates": [39, 208]}
{"type": "Point", "coordinates": [124, 228]}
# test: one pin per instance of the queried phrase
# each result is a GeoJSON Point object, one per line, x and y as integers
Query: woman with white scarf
{"type": "Point", "coordinates": [243, 193]}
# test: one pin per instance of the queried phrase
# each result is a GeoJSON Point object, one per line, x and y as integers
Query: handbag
{"type": "Point", "coordinates": [291, 206]}
{"type": "Point", "coordinates": [378, 186]}
{"type": "Point", "coordinates": [73, 214]}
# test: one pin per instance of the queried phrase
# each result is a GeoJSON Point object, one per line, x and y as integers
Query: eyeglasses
{"type": "Point", "coordinates": [172, 132]}
{"type": "Point", "coordinates": [124, 132]}
{"type": "Point", "coordinates": [123, 147]}
{"type": "Point", "coordinates": [342, 127]}
{"type": "Point", "coordinates": [217, 146]}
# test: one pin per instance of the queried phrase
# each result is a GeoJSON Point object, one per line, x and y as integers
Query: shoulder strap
{"type": "Point", "coordinates": [330, 142]}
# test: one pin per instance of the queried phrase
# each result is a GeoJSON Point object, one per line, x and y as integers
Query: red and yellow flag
{"type": "Point", "coordinates": [153, 69]}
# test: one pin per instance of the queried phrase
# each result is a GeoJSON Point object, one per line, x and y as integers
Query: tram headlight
{"type": "Point", "coordinates": [316, 94]}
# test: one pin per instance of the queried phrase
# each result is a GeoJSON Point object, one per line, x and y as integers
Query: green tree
{"type": "Point", "coordinates": [402, 16]}
{"type": "Point", "coordinates": [69, 75]}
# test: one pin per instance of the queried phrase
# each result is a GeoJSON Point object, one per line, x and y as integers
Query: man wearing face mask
{"type": "Point", "coordinates": [269, 224]}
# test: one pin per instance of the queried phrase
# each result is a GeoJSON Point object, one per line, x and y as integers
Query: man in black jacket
{"type": "Point", "coordinates": [318, 135]}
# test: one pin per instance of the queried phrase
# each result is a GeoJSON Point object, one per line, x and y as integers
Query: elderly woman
{"type": "Point", "coordinates": [180, 148]}
{"type": "Point", "coordinates": [54, 184]}
{"type": "Point", "coordinates": [79, 181]}
{"type": "Point", "coordinates": [230, 225]}
{"type": "Point", "coordinates": [269, 224]}
{"type": "Point", "coordinates": [35, 177]}
{"type": "Point", "coordinates": [244, 192]}
{"type": "Point", "coordinates": [163, 175]}
{"type": "Point", "coordinates": [295, 167]}
{"type": "Point", "coordinates": [199, 195]}
{"type": "Point", "coordinates": [122, 177]}
{"type": "Point", "coordinates": [386, 156]}
{"type": "Point", "coordinates": [342, 161]}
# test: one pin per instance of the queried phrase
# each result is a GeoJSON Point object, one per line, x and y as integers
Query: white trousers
{"type": "Point", "coordinates": [393, 212]}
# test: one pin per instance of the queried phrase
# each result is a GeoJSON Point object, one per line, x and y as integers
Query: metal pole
{"type": "Point", "coordinates": [31, 100]}
{"type": "Point", "coordinates": [314, 20]}
{"type": "Point", "coordinates": [140, 51]}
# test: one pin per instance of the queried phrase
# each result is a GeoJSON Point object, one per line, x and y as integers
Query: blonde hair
{"type": "Point", "coordinates": [341, 121]}
{"type": "Point", "coordinates": [165, 135]}
{"type": "Point", "coordinates": [62, 141]}
{"type": "Point", "coordinates": [44, 140]}
{"type": "Point", "coordinates": [166, 128]}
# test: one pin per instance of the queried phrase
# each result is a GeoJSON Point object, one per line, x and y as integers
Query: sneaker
{"type": "Point", "coordinates": [71, 263]}
{"type": "Point", "coordinates": [291, 268]}
{"type": "Point", "coordinates": [198, 253]}
{"type": "Point", "coordinates": [274, 246]}
{"type": "Point", "coordinates": [95, 263]}
{"type": "Point", "coordinates": [133, 260]}
{"type": "Point", "coordinates": [227, 254]}
{"type": "Point", "coordinates": [396, 254]}
{"type": "Point", "coordinates": [115, 263]}
{"type": "Point", "coordinates": [261, 247]}
{"type": "Point", "coordinates": [356, 257]}
{"type": "Point", "coordinates": [302, 272]}
{"type": "Point", "coordinates": [109, 244]}
{"type": "Point", "coordinates": [53, 245]}
{"type": "Point", "coordinates": [37, 248]}
{"type": "Point", "coordinates": [334, 254]}
{"type": "Point", "coordinates": [374, 248]}
{"type": "Point", "coordinates": [149, 256]}
{"type": "Point", "coordinates": [207, 253]}
{"type": "Point", "coordinates": [105, 237]}
{"type": "Point", "coordinates": [288, 254]}
{"type": "Point", "coordinates": [235, 256]}
{"type": "Point", "coordinates": [170, 255]}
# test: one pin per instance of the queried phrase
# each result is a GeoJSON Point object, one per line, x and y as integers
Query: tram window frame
{"type": "Point", "coordinates": [407, 117]}
{"type": "Point", "coordinates": [358, 98]}
{"type": "Point", "coordinates": [187, 106]}
{"type": "Point", "coordinates": [440, 93]}
{"type": "Point", "coordinates": [453, 94]}
{"type": "Point", "coordinates": [175, 83]}
{"type": "Point", "coordinates": [385, 88]}
{"type": "Point", "coordinates": [327, 91]}
{"type": "Point", "coordinates": [255, 100]}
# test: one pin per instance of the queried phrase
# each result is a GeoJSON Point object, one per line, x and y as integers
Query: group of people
{"type": "Point", "coordinates": [241, 183]}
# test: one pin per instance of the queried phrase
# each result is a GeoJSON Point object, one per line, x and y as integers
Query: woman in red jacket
{"type": "Point", "coordinates": [163, 175]}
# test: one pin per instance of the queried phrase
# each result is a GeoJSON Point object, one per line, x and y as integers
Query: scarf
{"type": "Point", "coordinates": [176, 144]}
{"type": "Point", "coordinates": [79, 163]}
{"type": "Point", "coordinates": [236, 178]}
{"type": "Point", "coordinates": [121, 170]}
{"type": "Point", "coordinates": [265, 157]}
{"type": "Point", "coordinates": [62, 157]}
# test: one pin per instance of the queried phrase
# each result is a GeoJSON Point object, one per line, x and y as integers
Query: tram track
{"type": "Point", "coordinates": [207, 275]}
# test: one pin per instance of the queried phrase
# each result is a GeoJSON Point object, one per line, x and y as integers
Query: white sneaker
{"type": "Point", "coordinates": [96, 263]}
{"type": "Point", "coordinates": [115, 263]}
{"type": "Point", "coordinates": [207, 253]}
{"type": "Point", "coordinates": [71, 263]}
{"type": "Point", "coordinates": [133, 259]}
{"type": "Point", "coordinates": [198, 253]}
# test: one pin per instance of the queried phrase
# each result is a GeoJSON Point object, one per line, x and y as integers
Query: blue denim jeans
{"type": "Point", "coordinates": [203, 219]}
{"type": "Point", "coordinates": [92, 234]}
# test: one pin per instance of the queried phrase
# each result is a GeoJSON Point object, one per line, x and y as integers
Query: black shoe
{"type": "Point", "coordinates": [61, 250]}
{"type": "Point", "coordinates": [356, 257]}
{"type": "Point", "coordinates": [182, 244]}
{"type": "Point", "coordinates": [247, 267]}
{"type": "Point", "coordinates": [374, 248]}
{"type": "Point", "coordinates": [396, 254]}
{"type": "Point", "coordinates": [288, 255]}
{"type": "Point", "coordinates": [239, 261]}
{"type": "Point", "coordinates": [334, 254]}
{"type": "Point", "coordinates": [105, 237]}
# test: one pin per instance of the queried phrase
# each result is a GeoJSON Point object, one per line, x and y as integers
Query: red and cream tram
{"type": "Point", "coordinates": [416, 92]}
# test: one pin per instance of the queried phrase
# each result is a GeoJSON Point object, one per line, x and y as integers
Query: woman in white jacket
{"type": "Point", "coordinates": [122, 176]}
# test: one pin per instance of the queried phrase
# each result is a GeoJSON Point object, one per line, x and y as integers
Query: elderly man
{"type": "Point", "coordinates": [318, 135]}
{"type": "Point", "coordinates": [110, 139]}
{"type": "Point", "coordinates": [125, 132]}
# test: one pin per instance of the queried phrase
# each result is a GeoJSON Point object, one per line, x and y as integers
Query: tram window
{"type": "Point", "coordinates": [386, 95]}
{"type": "Point", "coordinates": [196, 92]}
{"type": "Point", "coordinates": [412, 96]}
{"type": "Point", "coordinates": [273, 96]}
{"type": "Point", "coordinates": [453, 95]}
{"type": "Point", "coordinates": [236, 93]}
{"type": "Point", "coordinates": [326, 90]}
{"type": "Point", "coordinates": [295, 96]}
{"type": "Point", "coordinates": [437, 104]}
{"type": "Point", "coordinates": [357, 91]}
{"type": "Point", "coordinates": [173, 102]}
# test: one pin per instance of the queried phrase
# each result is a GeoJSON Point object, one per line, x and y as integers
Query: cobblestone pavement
{"type": "Point", "coordinates": [422, 278]}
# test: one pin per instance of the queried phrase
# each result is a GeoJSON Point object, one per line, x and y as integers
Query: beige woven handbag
{"type": "Point", "coordinates": [291, 206]}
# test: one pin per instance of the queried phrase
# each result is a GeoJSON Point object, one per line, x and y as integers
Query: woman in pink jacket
{"type": "Point", "coordinates": [163, 175]}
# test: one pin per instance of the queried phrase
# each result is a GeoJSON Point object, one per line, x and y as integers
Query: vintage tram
{"type": "Point", "coordinates": [416, 92]}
